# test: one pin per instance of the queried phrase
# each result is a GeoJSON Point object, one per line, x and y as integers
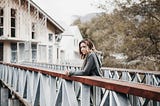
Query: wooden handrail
{"type": "Point", "coordinates": [132, 70]}
{"type": "Point", "coordinates": [142, 90]}
{"type": "Point", "coordinates": [114, 69]}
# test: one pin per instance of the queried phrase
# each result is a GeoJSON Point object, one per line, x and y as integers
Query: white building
{"type": "Point", "coordinates": [69, 46]}
{"type": "Point", "coordinates": [27, 33]}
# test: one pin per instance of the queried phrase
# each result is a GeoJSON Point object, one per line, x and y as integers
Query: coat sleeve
{"type": "Point", "coordinates": [87, 69]}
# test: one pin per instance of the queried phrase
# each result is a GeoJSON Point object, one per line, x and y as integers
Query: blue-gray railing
{"type": "Point", "coordinates": [47, 87]}
{"type": "Point", "coordinates": [136, 76]}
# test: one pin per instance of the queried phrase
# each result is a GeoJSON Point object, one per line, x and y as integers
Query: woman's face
{"type": "Point", "coordinates": [84, 48]}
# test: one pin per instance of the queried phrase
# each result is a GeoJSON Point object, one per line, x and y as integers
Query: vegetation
{"type": "Point", "coordinates": [132, 29]}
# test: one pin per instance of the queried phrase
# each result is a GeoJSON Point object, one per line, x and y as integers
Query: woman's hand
{"type": "Point", "coordinates": [66, 72]}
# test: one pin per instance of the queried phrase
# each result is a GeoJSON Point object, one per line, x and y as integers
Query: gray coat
{"type": "Point", "coordinates": [91, 66]}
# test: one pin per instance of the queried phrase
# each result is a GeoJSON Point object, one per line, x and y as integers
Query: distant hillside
{"type": "Point", "coordinates": [85, 18]}
{"type": "Point", "coordinates": [88, 17]}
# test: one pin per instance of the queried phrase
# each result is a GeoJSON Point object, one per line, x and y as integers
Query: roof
{"type": "Point", "coordinates": [72, 31]}
{"type": "Point", "coordinates": [61, 29]}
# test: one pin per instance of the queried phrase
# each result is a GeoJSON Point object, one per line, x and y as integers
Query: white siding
{"type": "Point", "coordinates": [25, 17]}
{"type": "Point", "coordinates": [69, 45]}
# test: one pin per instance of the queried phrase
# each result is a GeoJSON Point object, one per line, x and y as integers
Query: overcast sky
{"type": "Point", "coordinates": [63, 10]}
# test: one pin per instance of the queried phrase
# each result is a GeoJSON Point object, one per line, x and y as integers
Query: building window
{"type": "Point", "coordinates": [13, 52]}
{"type": "Point", "coordinates": [50, 55]}
{"type": "Point", "coordinates": [57, 54]}
{"type": "Point", "coordinates": [13, 23]}
{"type": "Point", "coordinates": [33, 35]}
{"type": "Point", "coordinates": [50, 37]}
{"type": "Point", "coordinates": [1, 22]}
{"type": "Point", "coordinates": [1, 11]}
{"type": "Point", "coordinates": [34, 52]}
{"type": "Point", "coordinates": [33, 30]}
{"type": "Point", "coordinates": [1, 31]}
{"type": "Point", "coordinates": [12, 32]}
{"type": "Point", "coordinates": [58, 38]}
{"type": "Point", "coordinates": [21, 52]}
{"type": "Point", "coordinates": [42, 53]}
{"type": "Point", "coordinates": [1, 51]}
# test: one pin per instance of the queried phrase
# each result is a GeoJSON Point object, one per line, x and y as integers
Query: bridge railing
{"type": "Point", "coordinates": [60, 67]}
{"type": "Point", "coordinates": [44, 87]}
{"type": "Point", "coordinates": [136, 76]}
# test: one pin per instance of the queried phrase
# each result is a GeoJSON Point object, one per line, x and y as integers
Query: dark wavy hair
{"type": "Point", "coordinates": [90, 45]}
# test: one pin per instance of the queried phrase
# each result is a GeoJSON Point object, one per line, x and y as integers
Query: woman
{"type": "Point", "coordinates": [91, 64]}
